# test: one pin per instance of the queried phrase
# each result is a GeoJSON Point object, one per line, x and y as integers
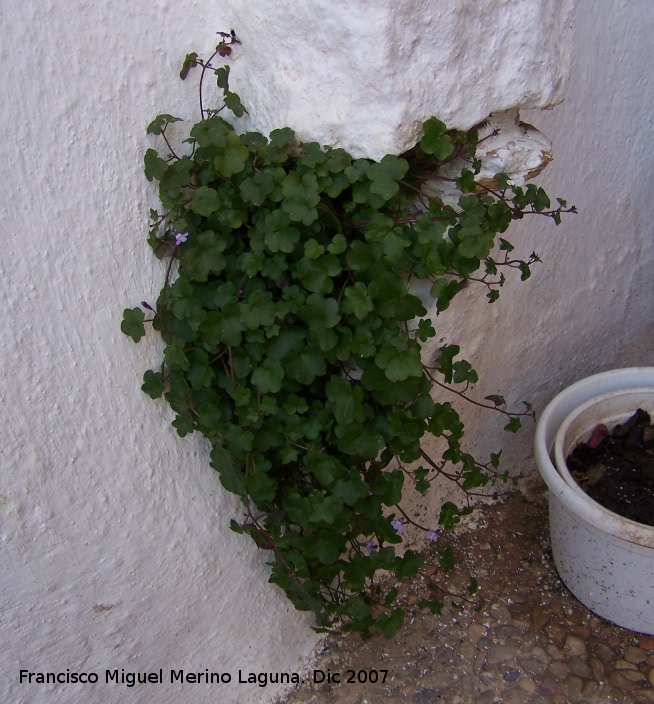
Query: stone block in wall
{"type": "Point", "coordinates": [364, 75]}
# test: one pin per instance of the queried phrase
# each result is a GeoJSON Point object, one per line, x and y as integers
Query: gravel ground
{"type": "Point", "coordinates": [527, 640]}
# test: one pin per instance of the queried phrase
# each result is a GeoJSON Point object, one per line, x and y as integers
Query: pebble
{"type": "Point", "coordinates": [531, 642]}
{"type": "Point", "coordinates": [575, 646]}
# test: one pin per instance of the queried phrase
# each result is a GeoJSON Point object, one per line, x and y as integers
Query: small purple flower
{"type": "Point", "coordinates": [145, 304]}
{"type": "Point", "coordinates": [432, 535]}
{"type": "Point", "coordinates": [180, 237]}
{"type": "Point", "coordinates": [369, 546]}
{"type": "Point", "coordinates": [398, 525]}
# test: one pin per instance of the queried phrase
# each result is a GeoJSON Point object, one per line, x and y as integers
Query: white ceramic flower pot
{"type": "Point", "coordinates": [606, 561]}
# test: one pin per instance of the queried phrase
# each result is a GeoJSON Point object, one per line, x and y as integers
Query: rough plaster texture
{"type": "Point", "coordinates": [115, 552]}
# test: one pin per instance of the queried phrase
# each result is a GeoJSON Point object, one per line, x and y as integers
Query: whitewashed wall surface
{"type": "Point", "coordinates": [115, 550]}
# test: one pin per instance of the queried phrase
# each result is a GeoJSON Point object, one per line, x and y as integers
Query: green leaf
{"type": "Point", "coordinates": [463, 372]}
{"type": "Point", "coordinates": [446, 558]}
{"type": "Point", "coordinates": [268, 377]}
{"type": "Point", "coordinates": [320, 312]}
{"type": "Point", "coordinates": [176, 178]}
{"type": "Point", "coordinates": [253, 141]}
{"type": "Point", "coordinates": [329, 511]}
{"type": "Point", "coordinates": [433, 605]}
{"type": "Point", "coordinates": [206, 256]}
{"type": "Point", "coordinates": [312, 155]}
{"type": "Point", "coordinates": [132, 324]}
{"type": "Point", "coordinates": [398, 365]}
{"type": "Point", "coordinates": [222, 77]}
{"type": "Point", "coordinates": [159, 124]}
{"type": "Point", "coordinates": [385, 175]}
{"type": "Point", "coordinates": [392, 298]}
{"type": "Point", "coordinates": [205, 201]}
{"type": "Point", "coordinates": [388, 626]}
{"type": "Point", "coordinates": [357, 301]}
{"type": "Point", "coordinates": [231, 476]}
{"type": "Point", "coordinates": [279, 235]}
{"type": "Point", "coordinates": [211, 132]}
{"type": "Point", "coordinates": [391, 239]}
{"type": "Point", "coordinates": [443, 291]}
{"type": "Point", "coordinates": [175, 354]}
{"type": "Point", "coordinates": [450, 515]}
{"type": "Point", "coordinates": [233, 103]}
{"type": "Point", "coordinates": [155, 167]}
{"type": "Point", "coordinates": [327, 546]}
{"type": "Point", "coordinates": [189, 62]}
{"type": "Point", "coordinates": [409, 565]}
{"type": "Point", "coordinates": [425, 330]}
{"type": "Point", "coordinates": [466, 182]}
{"type": "Point", "coordinates": [338, 245]}
{"type": "Point", "coordinates": [362, 257]}
{"type": "Point", "coordinates": [496, 400]}
{"type": "Point", "coordinates": [388, 487]}
{"type": "Point", "coordinates": [183, 426]}
{"type": "Point", "coordinates": [446, 356]}
{"type": "Point", "coordinates": [301, 197]}
{"type": "Point", "coordinates": [324, 338]}
{"type": "Point", "coordinates": [318, 274]}
{"type": "Point", "coordinates": [513, 425]}
{"type": "Point", "coordinates": [200, 374]}
{"type": "Point", "coordinates": [359, 441]}
{"type": "Point", "coordinates": [345, 401]}
{"type": "Point", "coordinates": [350, 491]}
{"type": "Point", "coordinates": [282, 137]}
{"type": "Point", "coordinates": [428, 231]}
{"type": "Point", "coordinates": [257, 187]}
{"type": "Point", "coordinates": [259, 485]}
{"type": "Point", "coordinates": [224, 327]}
{"type": "Point", "coordinates": [305, 367]}
{"type": "Point", "coordinates": [541, 199]}
{"type": "Point", "coordinates": [388, 392]}
{"type": "Point", "coordinates": [258, 310]}
{"type": "Point", "coordinates": [435, 140]}
{"type": "Point", "coordinates": [288, 340]}
{"type": "Point", "coordinates": [323, 467]}
{"type": "Point", "coordinates": [525, 271]}
{"type": "Point", "coordinates": [261, 539]}
{"type": "Point", "coordinates": [153, 384]}
{"type": "Point", "coordinates": [313, 250]}
{"type": "Point", "coordinates": [233, 157]}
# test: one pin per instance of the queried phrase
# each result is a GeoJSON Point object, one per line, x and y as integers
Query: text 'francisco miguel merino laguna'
{"type": "Point", "coordinates": [130, 679]}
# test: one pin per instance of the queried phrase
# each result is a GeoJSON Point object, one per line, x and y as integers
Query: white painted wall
{"type": "Point", "coordinates": [115, 552]}
{"type": "Point", "coordinates": [588, 307]}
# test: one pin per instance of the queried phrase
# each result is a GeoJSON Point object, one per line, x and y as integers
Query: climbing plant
{"type": "Point", "coordinates": [293, 338]}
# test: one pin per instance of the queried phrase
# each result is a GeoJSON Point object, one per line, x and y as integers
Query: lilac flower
{"type": "Point", "coordinates": [180, 237]}
{"type": "Point", "coordinates": [398, 525]}
{"type": "Point", "coordinates": [432, 535]}
{"type": "Point", "coordinates": [369, 546]}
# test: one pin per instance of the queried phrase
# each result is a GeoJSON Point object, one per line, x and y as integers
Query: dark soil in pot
{"type": "Point", "coordinates": [616, 468]}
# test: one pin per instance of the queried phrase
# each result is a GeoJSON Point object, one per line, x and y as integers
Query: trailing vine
{"type": "Point", "coordinates": [293, 338]}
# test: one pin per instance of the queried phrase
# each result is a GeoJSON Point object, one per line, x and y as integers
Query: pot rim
{"type": "Point", "coordinates": [551, 419]}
